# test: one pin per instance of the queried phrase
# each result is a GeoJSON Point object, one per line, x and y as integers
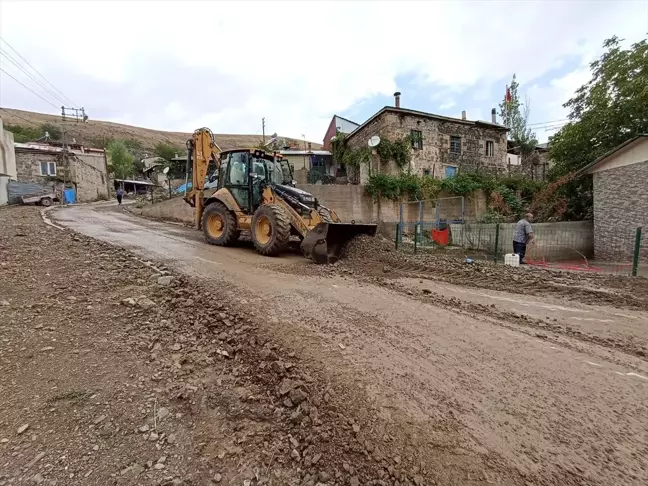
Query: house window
{"type": "Point", "coordinates": [490, 148]}
{"type": "Point", "coordinates": [48, 168]}
{"type": "Point", "coordinates": [426, 172]}
{"type": "Point", "coordinates": [450, 171]}
{"type": "Point", "coordinates": [417, 139]}
{"type": "Point", "coordinates": [455, 145]}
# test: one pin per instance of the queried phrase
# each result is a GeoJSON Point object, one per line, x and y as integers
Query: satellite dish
{"type": "Point", "coordinates": [165, 170]}
{"type": "Point", "coordinates": [374, 141]}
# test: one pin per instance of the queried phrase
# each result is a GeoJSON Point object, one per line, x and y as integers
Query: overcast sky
{"type": "Point", "coordinates": [182, 65]}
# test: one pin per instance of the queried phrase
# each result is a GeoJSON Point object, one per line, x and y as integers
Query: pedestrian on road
{"type": "Point", "coordinates": [120, 194]}
{"type": "Point", "coordinates": [523, 236]}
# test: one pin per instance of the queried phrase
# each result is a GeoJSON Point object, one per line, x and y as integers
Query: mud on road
{"type": "Point", "coordinates": [410, 378]}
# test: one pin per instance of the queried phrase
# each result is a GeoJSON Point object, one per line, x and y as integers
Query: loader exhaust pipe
{"type": "Point", "coordinates": [326, 241]}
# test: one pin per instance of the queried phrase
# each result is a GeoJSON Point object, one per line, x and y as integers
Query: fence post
{"type": "Point", "coordinates": [416, 233]}
{"type": "Point", "coordinates": [398, 227]}
{"type": "Point", "coordinates": [497, 231]}
{"type": "Point", "coordinates": [637, 247]}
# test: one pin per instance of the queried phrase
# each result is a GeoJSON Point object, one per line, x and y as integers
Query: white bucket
{"type": "Point", "coordinates": [512, 259]}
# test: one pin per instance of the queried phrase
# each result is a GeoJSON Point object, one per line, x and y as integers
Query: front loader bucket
{"type": "Point", "coordinates": [324, 243]}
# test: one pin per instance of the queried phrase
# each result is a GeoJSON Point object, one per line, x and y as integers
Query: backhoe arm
{"type": "Point", "coordinates": [201, 150]}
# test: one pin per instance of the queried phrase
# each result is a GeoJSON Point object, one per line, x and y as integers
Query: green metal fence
{"type": "Point", "coordinates": [561, 245]}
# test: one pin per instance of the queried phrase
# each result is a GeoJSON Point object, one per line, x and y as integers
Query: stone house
{"type": "Point", "coordinates": [620, 200]}
{"type": "Point", "coordinates": [86, 171]}
{"type": "Point", "coordinates": [441, 146]}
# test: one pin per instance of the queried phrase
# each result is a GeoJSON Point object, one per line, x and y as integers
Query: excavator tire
{"type": "Point", "coordinates": [270, 229]}
{"type": "Point", "coordinates": [219, 225]}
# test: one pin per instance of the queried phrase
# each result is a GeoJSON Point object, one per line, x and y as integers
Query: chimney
{"type": "Point", "coordinates": [463, 115]}
{"type": "Point", "coordinates": [493, 116]}
{"type": "Point", "coordinates": [397, 99]}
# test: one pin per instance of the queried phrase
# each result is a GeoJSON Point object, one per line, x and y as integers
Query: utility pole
{"type": "Point", "coordinates": [69, 114]}
{"type": "Point", "coordinates": [263, 129]}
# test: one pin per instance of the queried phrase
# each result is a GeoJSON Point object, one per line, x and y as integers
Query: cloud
{"type": "Point", "coordinates": [180, 65]}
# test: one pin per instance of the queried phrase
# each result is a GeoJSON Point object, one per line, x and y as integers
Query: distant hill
{"type": "Point", "coordinates": [95, 132]}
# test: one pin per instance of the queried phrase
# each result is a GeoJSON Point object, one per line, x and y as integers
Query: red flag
{"type": "Point", "coordinates": [507, 97]}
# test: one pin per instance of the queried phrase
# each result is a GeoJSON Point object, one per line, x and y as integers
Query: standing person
{"type": "Point", "coordinates": [523, 236]}
{"type": "Point", "coordinates": [120, 194]}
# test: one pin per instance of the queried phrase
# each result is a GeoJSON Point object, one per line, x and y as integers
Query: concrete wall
{"type": "Point", "coordinates": [620, 202]}
{"type": "Point", "coordinates": [175, 209]}
{"type": "Point", "coordinates": [563, 241]}
{"type": "Point", "coordinates": [7, 162]}
{"type": "Point", "coordinates": [435, 155]}
{"type": "Point", "coordinates": [351, 203]}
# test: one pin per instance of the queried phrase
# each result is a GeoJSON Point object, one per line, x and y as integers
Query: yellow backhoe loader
{"type": "Point", "coordinates": [255, 193]}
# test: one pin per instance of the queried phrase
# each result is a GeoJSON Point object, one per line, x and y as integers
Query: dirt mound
{"type": "Point", "coordinates": [377, 257]}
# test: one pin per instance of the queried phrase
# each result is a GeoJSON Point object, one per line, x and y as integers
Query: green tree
{"type": "Point", "coordinates": [121, 159]}
{"type": "Point", "coordinates": [54, 131]}
{"type": "Point", "coordinates": [610, 109]}
{"type": "Point", "coordinates": [515, 116]}
{"type": "Point", "coordinates": [167, 152]}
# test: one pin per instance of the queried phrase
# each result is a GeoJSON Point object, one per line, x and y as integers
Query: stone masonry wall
{"type": "Point", "coordinates": [87, 173]}
{"type": "Point", "coordinates": [620, 206]}
{"type": "Point", "coordinates": [435, 154]}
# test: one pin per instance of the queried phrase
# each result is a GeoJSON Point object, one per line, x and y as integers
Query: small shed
{"type": "Point", "coordinates": [620, 199]}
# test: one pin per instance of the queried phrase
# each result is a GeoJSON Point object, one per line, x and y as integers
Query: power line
{"type": "Point", "coordinates": [38, 72]}
{"type": "Point", "coordinates": [20, 117]}
{"type": "Point", "coordinates": [28, 88]}
{"type": "Point", "coordinates": [547, 122]}
{"type": "Point", "coordinates": [31, 76]}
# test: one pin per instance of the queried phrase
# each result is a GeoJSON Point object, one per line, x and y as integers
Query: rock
{"type": "Point", "coordinates": [144, 428]}
{"type": "Point", "coordinates": [295, 455]}
{"type": "Point", "coordinates": [99, 419]}
{"type": "Point", "coordinates": [176, 347]}
{"type": "Point", "coordinates": [294, 442]}
{"type": "Point", "coordinates": [217, 478]}
{"type": "Point", "coordinates": [278, 367]}
{"type": "Point", "coordinates": [427, 291]}
{"type": "Point", "coordinates": [354, 481]}
{"type": "Point", "coordinates": [153, 437]}
{"type": "Point", "coordinates": [4, 441]}
{"type": "Point", "coordinates": [166, 280]}
{"type": "Point", "coordinates": [356, 428]}
{"type": "Point", "coordinates": [47, 348]}
{"type": "Point", "coordinates": [541, 336]}
{"type": "Point", "coordinates": [171, 439]}
{"type": "Point", "coordinates": [409, 292]}
{"type": "Point", "coordinates": [37, 478]}
{"type": "Point", "coordinates": [286, 385]}
{"type": "Point", "coordinates": [385, 269]}
{"type": "Point", "coordinates": [4, 303]}
{"type": "Point", "coordinates": [22, 428]}
{"type": "Point", "coordinates": [162, 460]}
{"type": "Point", "coordinates": [163, 413]}
{"type": "Point", "coordinates": [145, 303]}
{"type": "Point", "coordinates": [316, 458]}
{"type": "Point", "coordinates": [129, 301]}
{"type": "Point", "coordinates": [418, 480]}
{"type": "Point", "coordinates": [159, 466]}
{"type": "Point", "coordinates": [297, 395]}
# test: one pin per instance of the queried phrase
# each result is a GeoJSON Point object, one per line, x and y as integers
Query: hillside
{"type": "Point", "coordinates": [93, 132]}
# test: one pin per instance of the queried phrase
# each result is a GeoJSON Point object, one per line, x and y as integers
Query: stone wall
{"type": "Point", "coordinates": [620, 206]}
{"type": "Point", "coordinates": [87, 173]}
{"type": "Point", "coordinates": [435, 154]}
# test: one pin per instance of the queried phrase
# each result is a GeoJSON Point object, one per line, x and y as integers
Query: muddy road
{"type": "Point", "coordinates": [490, 387]}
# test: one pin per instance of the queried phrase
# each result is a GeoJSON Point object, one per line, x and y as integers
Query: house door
{"type": "Point", "coordinates": [450, 171]}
